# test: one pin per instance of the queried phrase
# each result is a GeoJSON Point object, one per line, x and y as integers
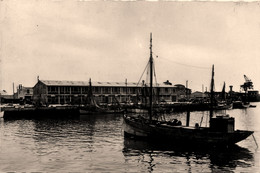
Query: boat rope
{"type": "Point", "coordinates": [155, 74]}
{"type": "Point", "coordinates": [142, 74]}
{"type": "Point", "coordinates": [255, 140]}
{"type": "Point", "coordinates": [201, 119]}
{"type": "Point", "coordinates": [147, 71]}
{"type": "Point", "coordinates": [207, 119]}
{"type": "Point", "coordinates": [187, 65]}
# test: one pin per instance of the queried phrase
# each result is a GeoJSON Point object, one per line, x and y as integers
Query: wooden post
{"type": "Point", "coordinates": [81, 95]}
{"type": "Point", "coordinates": [58, 94]}
{"type": "Point", "coordinates": [70, 94]}
{"type": "Point", "coordinates": [188, 118]}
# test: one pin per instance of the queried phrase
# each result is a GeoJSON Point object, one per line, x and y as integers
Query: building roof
{"type": "Point", "coordinates": [86, 83]}
{"type": "Point", "coordinates": [179, 85]}
{"type": "Point", "coordinates": [3, 92]}
{"type": "Point", "coordinates": [27, 87]}
{"type": "Point", "coordinates": [64, 83]}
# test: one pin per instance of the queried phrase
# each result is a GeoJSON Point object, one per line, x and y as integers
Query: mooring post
{"type": "Point", "coordinates": [188, 118]}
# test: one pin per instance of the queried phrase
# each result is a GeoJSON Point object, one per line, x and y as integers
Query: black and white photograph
{"type": "Point", "coordinates": [129, 86]}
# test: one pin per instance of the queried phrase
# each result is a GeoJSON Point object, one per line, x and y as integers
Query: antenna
{"type": "Point", "coordinates": [151, 78]}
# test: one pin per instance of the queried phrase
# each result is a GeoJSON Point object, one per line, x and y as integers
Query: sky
{"type": "Point", "coordinates": [109, 42]}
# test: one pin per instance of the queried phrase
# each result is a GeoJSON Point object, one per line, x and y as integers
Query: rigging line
{"type": "Point", "coordinates": [187, 65]}
{"type": "Point", "coordinates": [207, 119]}
{"type": "Point", "coordinates": [142, 74]}
{"type": "Point", "coordinates": [255, 140]}
{"type": "Point", "coordinates": [155, 75]}
{"type": "Point", "coordinates": [201, 119]}
{"type": "Point", "coordinates": [147, 74]}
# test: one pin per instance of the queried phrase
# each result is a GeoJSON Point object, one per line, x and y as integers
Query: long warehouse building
{"type": "Point", "coordinates": [76, 92]}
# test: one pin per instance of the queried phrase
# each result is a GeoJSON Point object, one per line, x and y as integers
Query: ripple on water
{"type": "Point", "coordinates": [96, 144]}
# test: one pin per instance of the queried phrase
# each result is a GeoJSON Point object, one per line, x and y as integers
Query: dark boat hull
{"type": "Point", "coordinates": [41, 113]}
{"type": "Point", "coordinates": [181, 134]}
{"type": "Point", "coordinates": [90, 112]}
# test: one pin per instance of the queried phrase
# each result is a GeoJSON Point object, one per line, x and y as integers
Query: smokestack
{"type": "Point", "coordinates": [13, 90]}
{"type": "Point", "coordinates": [231, 88]}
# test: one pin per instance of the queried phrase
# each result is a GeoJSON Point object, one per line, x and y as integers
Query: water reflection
{"type": "Point", "coordinates": [195, 158]}
{"type": "Point", "coordinates": [96, 144]}
{"type": "Point", "coordinates": [50, 145]}
{"type": "Point", "coordinates": [83, 132]}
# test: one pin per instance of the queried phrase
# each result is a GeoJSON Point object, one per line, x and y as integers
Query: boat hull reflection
{"type": "Point", "coordinates": [230, 157]}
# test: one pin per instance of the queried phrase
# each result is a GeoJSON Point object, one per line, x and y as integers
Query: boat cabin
{"type": "Point", "coordinates": [222, 124]}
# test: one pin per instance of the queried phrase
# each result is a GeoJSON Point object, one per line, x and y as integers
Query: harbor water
{"type": "Point", "coordinates": [95, 143]}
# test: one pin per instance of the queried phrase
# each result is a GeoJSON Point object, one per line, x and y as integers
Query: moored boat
{"type": "Point", "coordinates": [214, 135]}
{"type": "Point", "coordinates": [223, 106]}
{"type": "Point", "coordinates": [91, 107]}
{"type": "Point", "coordinates": [221, 130]}
{"type": "Point", "coordinates": [59, 112]}
{"type": "Point", "coordinates": [240, 105]}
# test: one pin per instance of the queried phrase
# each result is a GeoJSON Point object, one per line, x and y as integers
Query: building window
{"type": "Point", "coordinates": [61, 89]}
{"type": "Point", "coordinates": [49, 89]}
{"type": "Point", "coordinates": [105, 90]}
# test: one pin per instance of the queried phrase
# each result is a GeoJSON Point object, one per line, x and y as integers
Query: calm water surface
{"type": "Point", "coordinates": [96, 144]}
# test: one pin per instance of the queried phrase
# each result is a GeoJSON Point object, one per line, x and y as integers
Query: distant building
{"type": "Point", "coordinates": [75, 92]}
{"type": "Point", "coordinates": [5, 97]}
{"type": "Point", "coordinates": [253, 95]}
{"type": "Point", "coordinates": [3, 93]}
{"type": "Point", "coordinates": [197, 95]}
{"type": "Point", "coordinates": [24, 93]}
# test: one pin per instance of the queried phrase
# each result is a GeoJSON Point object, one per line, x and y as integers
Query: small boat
{"type": "Point", "coordinates": [221, 130]}
{"type": "Point", "coordinates": [98, 110]}
{"type": "Point", "coordinates": [223, 106]}
{"type": "Point", "coordinates": [245, 105]}
{"type": "Point", "coordinates": [241, 105]}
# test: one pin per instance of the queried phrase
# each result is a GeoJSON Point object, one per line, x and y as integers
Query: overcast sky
{"type": "Point", "coordinates": [109, 41]}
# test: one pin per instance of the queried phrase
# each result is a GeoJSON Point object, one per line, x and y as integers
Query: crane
{"type": "Point", "coordinates": [248, 84]}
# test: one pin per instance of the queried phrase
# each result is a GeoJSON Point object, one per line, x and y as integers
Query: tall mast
{"type": "Point", "coordinates": [90, 93]}
{"type": "Point", "coordinates": [126, 93]}
{"type": "Point", "coordinates": [224, 92]}
{"type": "Point", "coordinates": [212, 92]}
{"type": "Point", "coordinates": [151, 79]}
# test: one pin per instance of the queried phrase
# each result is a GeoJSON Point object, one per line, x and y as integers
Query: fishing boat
{"type": "Point", "coordinates": [221, 130]}
{"type": "Point", "coordinates": [241, 105]}
{"type": "Point", "coordinates": [91, 107]}
{"type": "Point", "coordinates": [223, 106]}
{"type": "Point", "coordinates": [222, 103]}
{"type": "Point", "coordinates": [246, 105]}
